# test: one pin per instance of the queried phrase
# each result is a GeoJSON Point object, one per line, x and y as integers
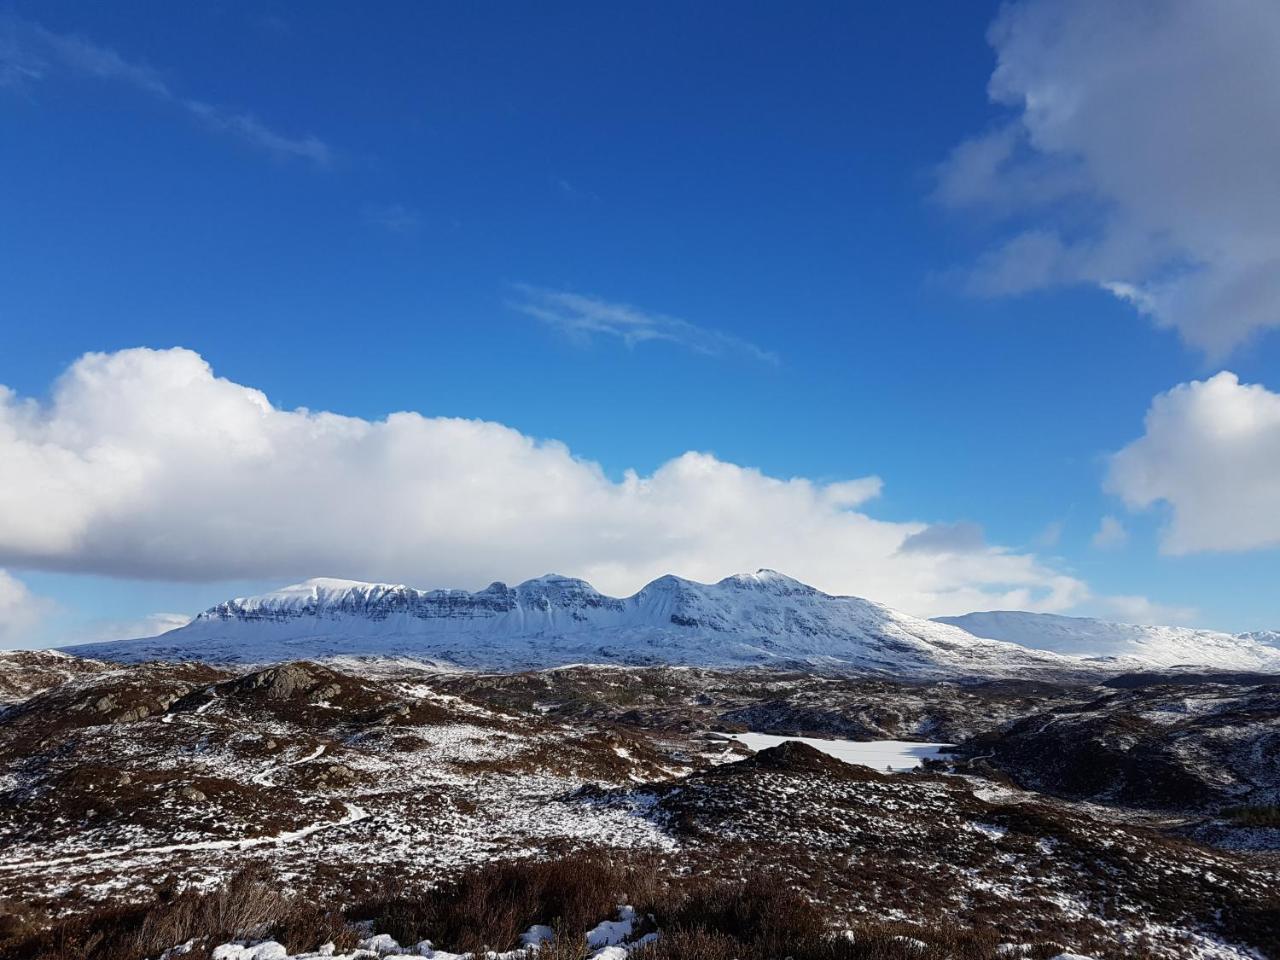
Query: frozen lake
{"type": "Point", "coordinates": [877, 754]}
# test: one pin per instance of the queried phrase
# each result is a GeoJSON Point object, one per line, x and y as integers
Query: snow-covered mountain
{"type": "Point", "coordinates": [1268, 638]}
{"type": "Point", "coordinates": [760, 618]}
{"type": "Point", "coordinates": [1129, 645]}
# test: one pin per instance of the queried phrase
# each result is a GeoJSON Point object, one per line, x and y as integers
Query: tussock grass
{"type": "Point", "coordinates": [246, 906]}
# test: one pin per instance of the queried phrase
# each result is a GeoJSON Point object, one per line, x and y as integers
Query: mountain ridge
{"type": "Point", "coordinates": [763, 618]}
{"type": "Point", "coordinates": [1097, 639]}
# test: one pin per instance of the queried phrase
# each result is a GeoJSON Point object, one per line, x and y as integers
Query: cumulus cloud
{"type": "Point", "coordinates": [1110, 534]}
{"type": "Point", "coordinates": [1140, 154]}
{"type": "Point", "coordinates": [30, 53]}
{"type": "Point", "coordinates": [20, 611]}
{"type": "Point", "coordinates": [584, 317]}
{"type": "Point", "coordinates": [1210, 452]}
{"type": "Point", "coordinates": [144, 464]}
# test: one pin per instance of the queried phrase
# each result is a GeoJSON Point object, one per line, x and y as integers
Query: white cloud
{"type": "Point", "coordinates": [584, 317]}
{"type": "Point", "coordinates": [961, 537]}
{"type": "Point", "coordinates": [29, 53]}
{"type": "Point", "coordinates": [1132, 609]}
{"type": "Point", "coordinates": [150, 625]}
{"type": "Point", "coordinates": [1110, 534]}
{"type": "Point", "coordinates": [20, 611]}
{"type": "Point", "coordinates": [144, 464]}
{"type": "Point", "coordinates": [1211, 453]}
{"type": "Point", "coordinates": [1141, 155]}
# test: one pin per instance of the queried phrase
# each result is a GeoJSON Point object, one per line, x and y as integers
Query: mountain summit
{"type": "Point", "coordinates": [762, 618]}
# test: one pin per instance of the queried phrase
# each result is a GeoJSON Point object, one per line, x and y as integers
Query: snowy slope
{"type": "Point", "coordinates": [1268, 638]}
{"type": "Point", "coordinates": [1140, 646]}
{"type": "Point", "coordinates": [760, 618]}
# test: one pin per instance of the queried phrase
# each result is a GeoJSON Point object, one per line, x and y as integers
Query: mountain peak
{"type": "Point", "coordinates": [317, 586]}
{"type": "Point", "coordinates": [766, 579]}
{"type": "Point", "coordinates": [557, 581]}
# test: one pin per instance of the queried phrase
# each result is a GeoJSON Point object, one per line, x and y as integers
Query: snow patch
{"type": "Point", "coordinates": [893, 755]}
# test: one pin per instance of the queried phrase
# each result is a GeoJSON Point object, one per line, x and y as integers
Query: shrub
{"type": "Point", "coordinates": [247, 906]}
{"type": "Point", "coordinates": [489, 907]}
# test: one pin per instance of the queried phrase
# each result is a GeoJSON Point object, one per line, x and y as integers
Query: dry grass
{"type": "Point", "coordinates": [247, 906]}
{"type": "Point", "coordinates": [488, 908]}
{"type": "Point", "coordinates": [699, 918]}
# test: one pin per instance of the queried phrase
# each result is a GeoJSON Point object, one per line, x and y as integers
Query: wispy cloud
{"type": "Point", "coordinates": [252, 130]}
{"type": "Point", "coordinates": [31, 53]}
{"type": "Point", "coordinates": [395, 217]}
{"type": "Point", "coordinates": [586, 317]}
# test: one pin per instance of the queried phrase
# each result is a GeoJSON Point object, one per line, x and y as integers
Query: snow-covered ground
{"type": "Point", "coordinates": [895, 755]}
{"type": "Point", "coordinates": [331, 781]}
{"type": "Point", "coordinates": [1131, 645]}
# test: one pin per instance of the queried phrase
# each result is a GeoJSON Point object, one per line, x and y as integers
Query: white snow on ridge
{"type": "Point", "coordinates": [764, 618]}
{"type": "Point", "coordinates": [748, 619]}
{"type": "Point", "coordinates": [1129, 644]}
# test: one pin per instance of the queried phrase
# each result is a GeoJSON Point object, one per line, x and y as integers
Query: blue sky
{"type": "Point", "coordinates": [748, 230]}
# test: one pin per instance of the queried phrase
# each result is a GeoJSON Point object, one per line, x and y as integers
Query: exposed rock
{"type": "Point", "coordinates": [340, 773]}
{"type": "Point", "coordinates": [288, 680]}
